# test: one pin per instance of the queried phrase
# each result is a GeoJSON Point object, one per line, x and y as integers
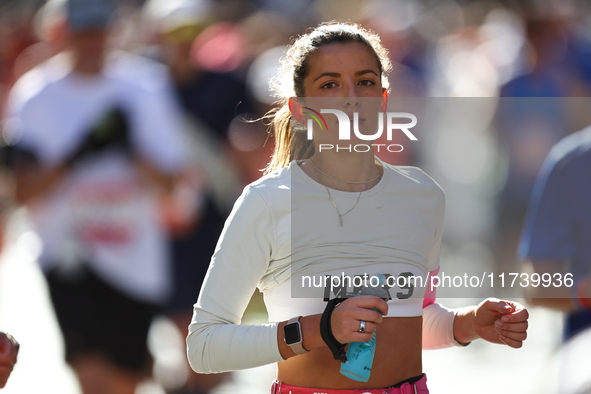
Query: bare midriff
{"type": "Point", "coordinates": [397, 357]}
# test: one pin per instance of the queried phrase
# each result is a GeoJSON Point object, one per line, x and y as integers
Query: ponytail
{"type": "Point", "coordinates": [291, 142]}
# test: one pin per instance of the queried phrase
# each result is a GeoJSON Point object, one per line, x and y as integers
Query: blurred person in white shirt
{"type": "Point", "coordinates": [92, 148]}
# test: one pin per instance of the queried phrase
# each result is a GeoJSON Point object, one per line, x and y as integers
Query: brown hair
{"type": "Point", "coordinates": [290, 138]}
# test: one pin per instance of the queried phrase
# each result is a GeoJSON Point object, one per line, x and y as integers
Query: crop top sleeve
{"type": "Point", "coordinates": [438, 321]}
{"type": "Point", "coordinates": [216, 341]}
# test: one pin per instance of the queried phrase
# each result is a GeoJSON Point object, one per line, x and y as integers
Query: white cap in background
{"type": "Point", "coordinates": [169, 15]}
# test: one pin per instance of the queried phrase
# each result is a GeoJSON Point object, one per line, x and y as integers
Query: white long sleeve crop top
{"type": "Point", "coordinates": [283, 237]}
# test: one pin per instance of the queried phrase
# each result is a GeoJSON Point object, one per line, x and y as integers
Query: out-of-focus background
{"type": "Point", "coordinates": [217, 57]}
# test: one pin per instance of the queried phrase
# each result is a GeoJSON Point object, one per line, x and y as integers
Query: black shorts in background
{"type": "Point", "coordinates": [96, 318]}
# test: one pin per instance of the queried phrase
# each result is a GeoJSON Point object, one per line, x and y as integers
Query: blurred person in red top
{"type": "Point", "coordinates": [92, 147]}
{"type": "Point", "coordinates": [8, 352]}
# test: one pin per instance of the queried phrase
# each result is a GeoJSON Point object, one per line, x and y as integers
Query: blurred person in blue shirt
{"type": "Point", "coordinates": [553, 68]}
{"type": "Point", "coordinates": [195, 213]}
{"type": "Point", "coordinates": [557, 232]}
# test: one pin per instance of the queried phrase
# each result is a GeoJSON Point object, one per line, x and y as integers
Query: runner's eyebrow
{"type": "Point", "coordinates": [358, 73]}
{"type": "Point", "coordinates": [336, 75]}
{"type": "Point", "coordinates": [327, 75]}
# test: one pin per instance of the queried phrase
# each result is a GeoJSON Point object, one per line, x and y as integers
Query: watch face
{"type": "Point", "coordinates": [292, 333]}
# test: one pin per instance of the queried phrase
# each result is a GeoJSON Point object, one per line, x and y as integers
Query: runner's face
{"type": "Point", "coordinates": [344, 76]}
{"type": "Point", "coordinates": [89, 45]}
{"type": "Point", "coordinates": [343, 70]}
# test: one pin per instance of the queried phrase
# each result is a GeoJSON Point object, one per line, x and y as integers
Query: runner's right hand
{"type": "Point", "coordinates": [347, 317]}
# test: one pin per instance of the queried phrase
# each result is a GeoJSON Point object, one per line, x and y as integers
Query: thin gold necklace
{"type": "Point", "coordinates": [337, 209]}
{"type": "Point", "coordinates": [342, 180]}
{"type": "Point", "coordinates": [341, 215]}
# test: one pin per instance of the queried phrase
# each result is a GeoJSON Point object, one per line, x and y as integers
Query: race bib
{"type": "Point", "coordinates": [106, 213]}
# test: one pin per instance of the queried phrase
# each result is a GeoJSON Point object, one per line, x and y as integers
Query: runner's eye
{"type": "Point", "coordinates": [329, 85]}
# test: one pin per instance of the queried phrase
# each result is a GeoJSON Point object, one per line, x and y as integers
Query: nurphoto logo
{"type": "Point", "coordinates": [344, 122]}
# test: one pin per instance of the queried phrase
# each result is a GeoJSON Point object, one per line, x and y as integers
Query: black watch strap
{"type": "Point", "coordinates": [337, 348]}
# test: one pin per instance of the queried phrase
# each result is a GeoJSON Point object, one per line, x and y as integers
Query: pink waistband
{"type": "Point", "coordinates": [418, 387]}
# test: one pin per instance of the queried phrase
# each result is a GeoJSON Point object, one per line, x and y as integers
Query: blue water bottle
{"type": "Point", "coordinates": [360, 354]}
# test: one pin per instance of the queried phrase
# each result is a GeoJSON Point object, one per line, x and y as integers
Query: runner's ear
{"type": "Point", "coordinates": [295, 107]}
{"type": "Point", "coordinates": [384, 106]}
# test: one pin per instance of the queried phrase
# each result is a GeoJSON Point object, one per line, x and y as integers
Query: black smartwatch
{"type": "Point", "coordinates": [293, 335]}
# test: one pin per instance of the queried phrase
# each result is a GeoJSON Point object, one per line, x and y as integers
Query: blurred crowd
{"type": "Point", "coordinates": [184, 82]}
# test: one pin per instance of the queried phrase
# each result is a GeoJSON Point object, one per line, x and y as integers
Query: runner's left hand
{"type": "Point", "coordinates": [502, 322]}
